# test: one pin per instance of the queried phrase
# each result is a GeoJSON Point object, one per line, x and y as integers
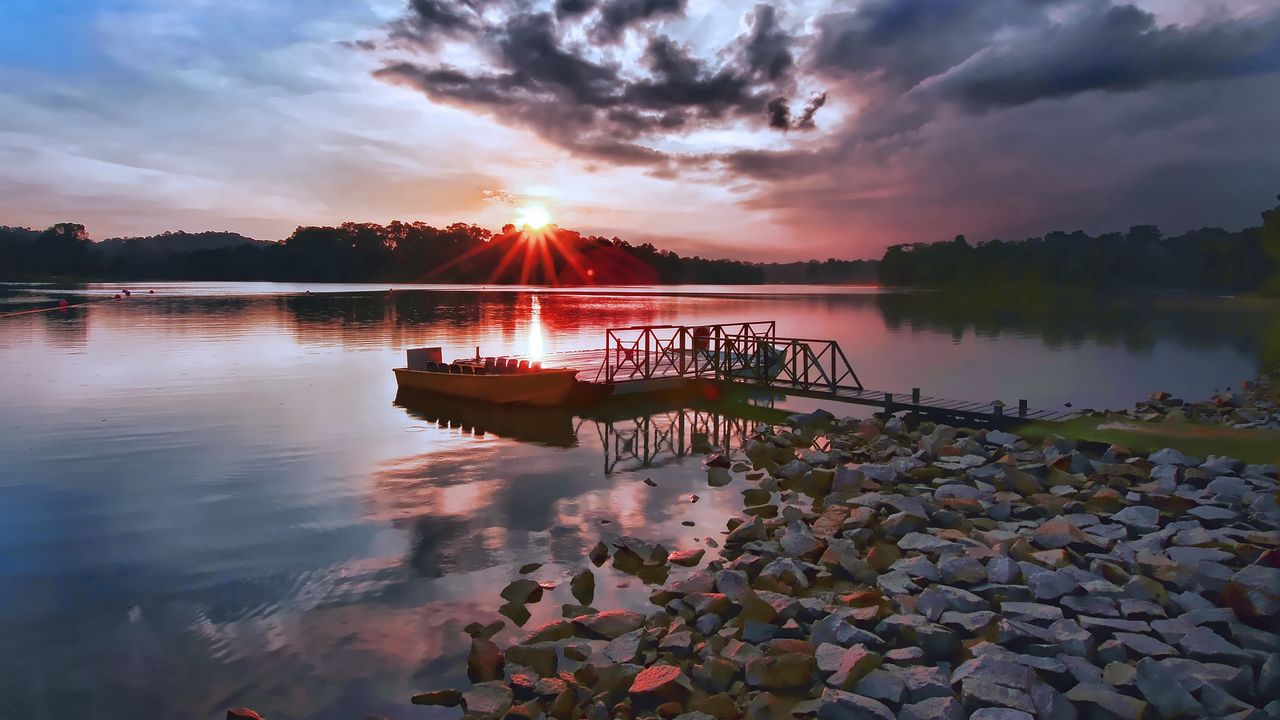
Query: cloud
{"type": "Point", "coordinates": [595, 99]}
{"type": "Point", "coordinates": [1118, 49]}
{"type": "Point", "coordinates": [618, 15]}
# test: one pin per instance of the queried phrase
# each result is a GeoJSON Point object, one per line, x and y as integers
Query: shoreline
{"type": "Point", "coordinates": [912, 570]}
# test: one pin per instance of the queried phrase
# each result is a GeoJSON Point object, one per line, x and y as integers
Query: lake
{"type": "Point", "coordinates": [208, 496]}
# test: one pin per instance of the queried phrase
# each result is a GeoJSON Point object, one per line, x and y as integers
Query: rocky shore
{"type": "Point", "coordinates": [923, 571]}
{"type": "Point", "coordinates": [1255, 405]}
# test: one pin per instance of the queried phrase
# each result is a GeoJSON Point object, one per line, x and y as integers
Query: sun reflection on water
{"type": "Point", "coordinates": [536, 334]}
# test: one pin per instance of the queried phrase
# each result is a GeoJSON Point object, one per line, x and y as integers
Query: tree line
{"type": "Point", "coordinates": [396, 252]}
{"type": "Point", "coordinates": [1142, 258]}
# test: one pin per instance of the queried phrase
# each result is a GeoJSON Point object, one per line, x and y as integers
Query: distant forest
{"type": "Point", "coordinates": [397, 252]}
{"type": "Point", "coordinates": [1142, 258]}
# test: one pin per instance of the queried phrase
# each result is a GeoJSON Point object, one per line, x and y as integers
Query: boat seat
{"type": "Point", "coordinates": [431, 366]}
{"type": "Point", "coordinates": [535, 365]}
{"type": "Point", "coordinates": [468, 370]}
{"type": "Point", "coordinates": [524, 365]}
{"type": "Point", "coordinates": [489, 363]}
{"type": "Point", "coordinates": [455, 369]}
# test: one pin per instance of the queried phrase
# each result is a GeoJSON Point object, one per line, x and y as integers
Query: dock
{"type": "Point", "coordinates": [649, 359]}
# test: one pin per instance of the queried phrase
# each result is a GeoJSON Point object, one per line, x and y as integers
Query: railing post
{"type": "Point", "coordinates": [833, 368]}
{"type": "Point", "coordinates": [997, 409]}
{"type": "Point", "coordinates": [915, 396]}
{"type": "Point", "coordinates": [888, 402]}
{"type": "Point", "coordinates": [1022, 408]}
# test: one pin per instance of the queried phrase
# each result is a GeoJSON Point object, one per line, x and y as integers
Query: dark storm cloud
{"type": "Point", "coordinates": [571, 8]}
{"type": "Point", "coordinates": [582, 97]}
{"type": "Point", "coordinates": [768, 46]}
{"type": "Point", "coordinates": [617, 15]}
{"type": "Point", "coordinates": [902, 42]}
{"type": "Point", "coordinates": [1115, 49]}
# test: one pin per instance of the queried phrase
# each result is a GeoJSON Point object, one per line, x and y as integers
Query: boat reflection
{"type": "Point", "coordinates": [548, 426]}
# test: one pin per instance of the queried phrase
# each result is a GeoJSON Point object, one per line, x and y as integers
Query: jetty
{"type": "Point", "coordinates": [655, 359]}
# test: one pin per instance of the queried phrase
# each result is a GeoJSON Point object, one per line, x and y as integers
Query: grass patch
{"type": "Point", "coordinates": [1254, 446]}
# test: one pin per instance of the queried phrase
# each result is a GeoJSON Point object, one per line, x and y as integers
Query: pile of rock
{"type": "Point", "coordinates": [1255, 406]}
{"type": "Point", "coordinates": [928, 573]}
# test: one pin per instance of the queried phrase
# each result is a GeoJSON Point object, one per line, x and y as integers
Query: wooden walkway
{"type": "Point", "coordinates": [589, 362]}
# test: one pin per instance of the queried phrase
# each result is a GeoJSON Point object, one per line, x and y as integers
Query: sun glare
{"type": "Point", "coordinates": [532, 216]}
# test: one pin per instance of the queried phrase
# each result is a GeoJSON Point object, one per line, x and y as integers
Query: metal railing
{"type": "Point", "coordinates": [738, 352]}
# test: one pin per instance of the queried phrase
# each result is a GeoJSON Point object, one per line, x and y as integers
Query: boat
{"type": "Point", "coordinates": [500, 381]}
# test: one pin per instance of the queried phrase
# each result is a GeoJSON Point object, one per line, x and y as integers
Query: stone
{"type": "Point", "coordinates": [625, 648]}
{"type": "Point", "coordinates": [1170, 698]}
{"type": "Point", "coordinates": [1050, 585]}
{"type": "Point", "coordinates": [841, 705]}
{"type": "Point", "coordinates": [854, 664]}
{"type": "Point", "coordinates": [1253, 594]}
{"type": "Point", "coordinates": [487, 700]}
{"type": "Point", "coordinates": [1002, 570]}
{"type": "Point", "coordinates": [1169, 456]}
{"type": "Point", "coordinates": [583, 586]}
{"type": "Point", "coordinates": [687, 558]}
{"type": "Point", "coordinates": [962, 570]}
{"type": "Point", "coordinates": [881, 685]}
{"type": "Point", "coordinates": [927, 544]}
{"type": "Point", "coordinates": [785, 672]}
{"type": "Point", "coordinates": [554, 630]}
{"type": "Point", "coordinates": [797, 540]}
{"type": "Point", "coordinates": [1203, 644]}
{"type": "Point", "coordinates": [484, 632]}
{"type": "Point", "coordinates": [1032, 612]}
{"type": "Point", "coordinates": [443, 698]}
{"type": "Point", "coordinates": [607, 625]}
{"type": "Point", "coordinates": [660, 684]}
{"type": "Point", "coordinates": [539, 657]}
{"type": "Point", "coordinates": [243, 713]}
{"type": "Point", "coordinates": [1138, 519]}
{"type": "Point", "coordinates": [1057, 533]}
{"type": "Point", "coordinates": [529, 567]}
{"type": "Point", "coordinates": [484, 661]}
{"type": "Point", "coordinates": [994, 713]}
{"type": "Point", "coordinates": [990, 668]}
{"type": "Point", "coordinates": [978, 693]}
{"type": "Point", "coordinates": [522, 591]}
{"type": "Point", "coordinates": [1107, 702]}
{"type": "Point", "coordinates": [1140, 646]}
{"type": "Point", "coordinates": [598, 554]}
{"type": "Point", "coordinates": [935, 708]}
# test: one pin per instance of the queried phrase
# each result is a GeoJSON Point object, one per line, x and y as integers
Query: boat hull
{"type": "Point", "coordinates": [544, 388]}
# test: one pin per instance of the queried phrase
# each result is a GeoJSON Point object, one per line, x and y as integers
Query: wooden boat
{"type": "Point", "coordinates": [490, 380]}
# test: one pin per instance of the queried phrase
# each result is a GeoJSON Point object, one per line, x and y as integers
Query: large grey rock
{"type": "Point", "coordinates": [1105, 701]}
{"type": "Point", "coordinates": [1169, 697]}
{"type": "Point", "coordinates": [1140, 646]}
{"type": "Point", "coordinates": [487, 700]}
{"type": "Point", "coordinates": [841, 705]}
{"type": "Point", "coordinates": [1139, 519]}
{"type": "Point", "coordinates": [977, 693]}
{"type": "Point", "coordinates": [934, 708]}
{"type": "Point", "coordinates": [1201, 643]}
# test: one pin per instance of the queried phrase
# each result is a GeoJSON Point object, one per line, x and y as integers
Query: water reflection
{"type": "Point", "coordinates": [211, 501]}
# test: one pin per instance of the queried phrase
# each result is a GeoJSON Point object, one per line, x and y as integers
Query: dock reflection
{"type": "Point", "coordinates": [631, 435]}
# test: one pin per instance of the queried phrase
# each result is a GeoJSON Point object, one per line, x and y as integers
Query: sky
{"type": "Point", "coordinates": [754, 130]}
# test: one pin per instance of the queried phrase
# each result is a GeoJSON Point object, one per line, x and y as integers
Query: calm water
{"type": "Point", "coordinates": [208, 496]}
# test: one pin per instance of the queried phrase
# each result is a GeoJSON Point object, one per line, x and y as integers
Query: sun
{"type": "Point", "coordinates": [532, 216]}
